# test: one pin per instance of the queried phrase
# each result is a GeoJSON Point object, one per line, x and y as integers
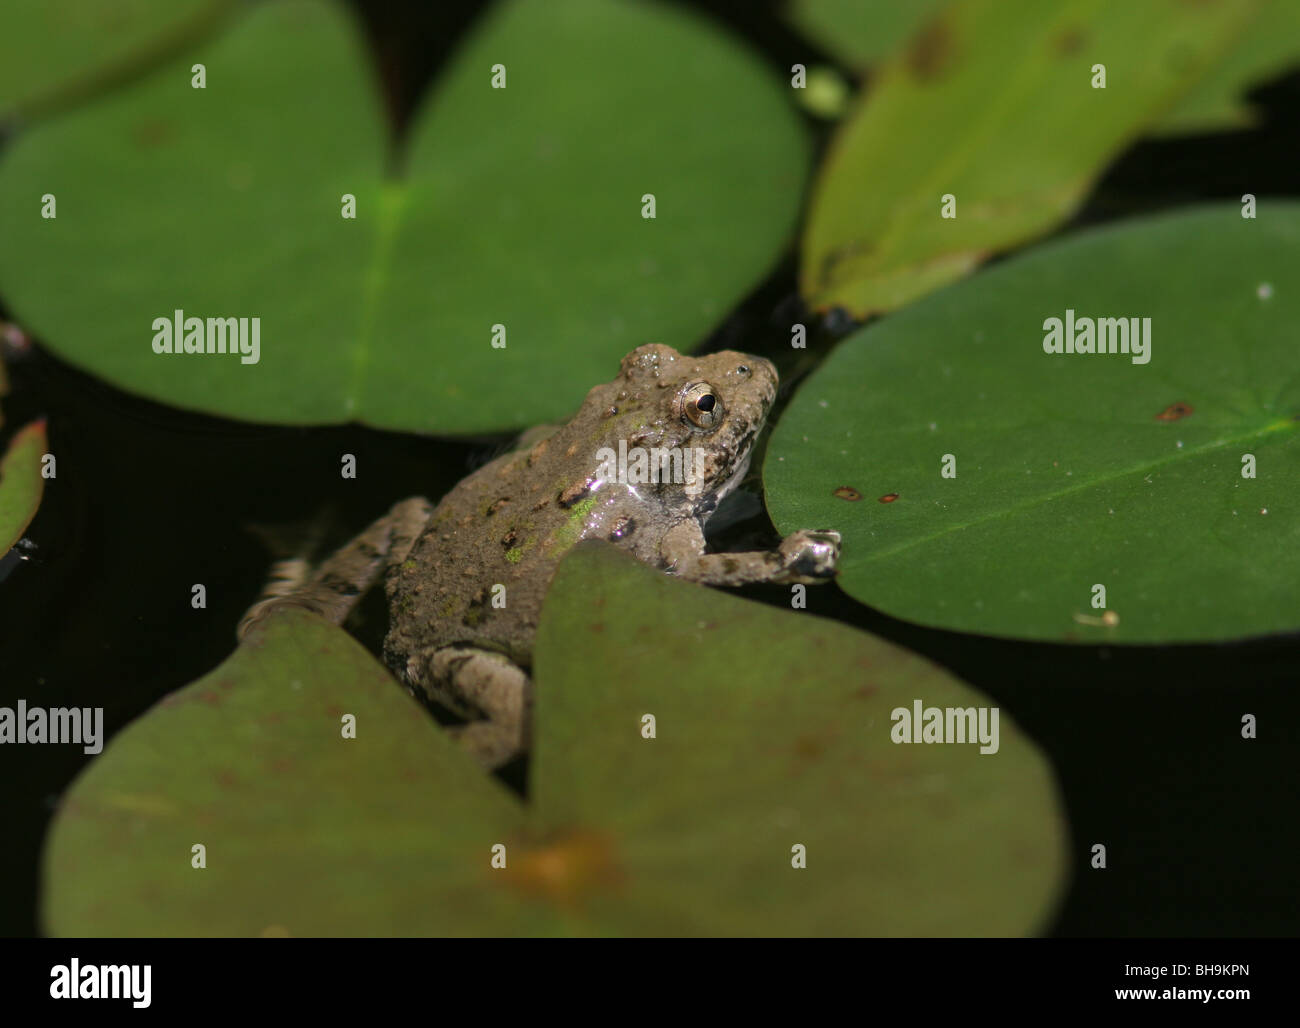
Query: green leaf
{"type": "Point", "coordinates": [1269, 48]}
{"type": "Point", "coordinates": [62, 50]}
{"type": "Point", "coordinates": [1071, 469]}
{"type": "Point", "coordinates": [992, 103]}
{"type": "Point", "coordinates": [21, 484]}
{"type": "Point", "coordinates": [860, 32]}
{"type": "Point", "coordinates": [306, 832]}
{"type": "Point", "coordinates": [773, 730]}
{"type": "Point", "coordinates": [519, 206]}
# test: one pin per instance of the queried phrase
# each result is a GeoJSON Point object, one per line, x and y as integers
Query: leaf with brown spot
{"type": "Point", "coordinates": [760, 712]}
{"type": "Point", "coordinates": [765, 739]}
{"type": "Point", "coordinates": [1008, 123]}
{"type": "Point", "coordinates": [1072, 469]}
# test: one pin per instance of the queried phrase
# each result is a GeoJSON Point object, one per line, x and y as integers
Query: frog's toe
{"type": "Point", "coordinates": [811, 555]}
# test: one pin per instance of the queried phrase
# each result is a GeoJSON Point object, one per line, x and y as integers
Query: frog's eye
{"type": "Point", "coordinates": [700, 405]}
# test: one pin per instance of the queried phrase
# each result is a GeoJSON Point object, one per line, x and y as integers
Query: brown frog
{"type": "Point", "coordinates": [643, 464]}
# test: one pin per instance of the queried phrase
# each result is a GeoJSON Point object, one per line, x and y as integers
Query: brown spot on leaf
{"type": "Point", "coordinates": [931, 50]}
{"type": "Point", "coordinates": [564, 869]}
{"type": "Point", "coordinates": [847, 492]}
{"type": "Point", "coordinates": [889, 498]}
{"type": "Point", "coordinates": [828, 266]}
{"type": "Point", "coordinates": [1175, 411]}
{"type": "Point", "coordinates": [152, 132]}
{"type": "Point", "coordinates": [1070, 42]}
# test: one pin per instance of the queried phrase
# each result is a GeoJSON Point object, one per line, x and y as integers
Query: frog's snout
{"type": "Point", "coordinates": [766, 367]}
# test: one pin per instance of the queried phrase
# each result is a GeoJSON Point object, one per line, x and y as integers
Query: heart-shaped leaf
{"type": "Point", "coordinates": [21, 484]}
{"type": "Point", "coordinates": [985, 485]}
{"type": "Point", "coordinates": [773, 732]}
{"type": "Point", "coordinates": [519, 207]}
{"type": "Point", "coordinates": [988, 130]}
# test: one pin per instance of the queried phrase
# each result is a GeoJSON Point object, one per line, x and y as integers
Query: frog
{"type": "Point", "coordinates": [643, 465]}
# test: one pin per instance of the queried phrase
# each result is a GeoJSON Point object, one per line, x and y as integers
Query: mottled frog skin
{"type": "Point", "coordinates": [465, 580]}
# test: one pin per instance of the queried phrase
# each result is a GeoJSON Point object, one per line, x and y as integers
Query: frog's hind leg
{"type": "Point", "coordinates": [337, 585]}
{"type": "Point", "coordinates": [481, 684]}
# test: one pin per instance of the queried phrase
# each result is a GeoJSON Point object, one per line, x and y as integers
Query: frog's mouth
{"type": "Point", "coordinates": [738, 472]}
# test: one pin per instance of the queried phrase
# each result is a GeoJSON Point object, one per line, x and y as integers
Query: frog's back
{"type": "Point", "coordinates": [507, 525]}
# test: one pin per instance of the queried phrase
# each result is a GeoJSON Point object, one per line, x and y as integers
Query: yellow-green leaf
{"type": "Point", "coordinates": [993, 105]}
{"type": "Point", "coordinates": [21, 484]}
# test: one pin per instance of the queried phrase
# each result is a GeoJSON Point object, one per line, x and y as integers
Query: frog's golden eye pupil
{"type": "Point", "coordinates": [699, 405]}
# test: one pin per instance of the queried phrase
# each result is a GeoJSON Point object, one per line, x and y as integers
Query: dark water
{"type": "Point", "coordinates": [1200, 827]}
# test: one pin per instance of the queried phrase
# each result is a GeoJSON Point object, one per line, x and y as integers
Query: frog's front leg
{"type": "Point", "coordinates": [334, 588]}
{"type": "Point", "coordinates": [483, 685]}
{"type": "Point", "coordinates": [807, 557]}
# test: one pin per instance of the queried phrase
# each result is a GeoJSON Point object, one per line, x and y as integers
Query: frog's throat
{"type": "Point", "coordinates": [736, 477]}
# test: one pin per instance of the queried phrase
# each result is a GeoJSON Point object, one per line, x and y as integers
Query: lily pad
{"type": "Point", "coordinates": [773, 731]}
{"type": "Point", "coordinates": [306, 832]}
{"type": "Point", "coordinates": [1071, 470]}
{"type": "Point", "coordinates": [61, 50]}
{"type": "Point", "coordinates": [21, 484]}
{"type": "Point", "coordinates": [993, 104]}
{"type": "Point", "coordinates": [520, 207]}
